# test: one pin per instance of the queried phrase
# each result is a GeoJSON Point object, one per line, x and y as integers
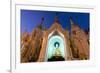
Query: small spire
{"type": "Point", "coordinates": [41, 23]}
{"type": "Point", "coordinates": [56, 18]}
{"type": "Point", "coordinates": [42, 20]}
{"type": "Point", "coordinates": [71, 21]}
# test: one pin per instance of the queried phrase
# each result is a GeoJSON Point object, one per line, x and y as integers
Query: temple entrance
{"type": "Point", "coordinates": [55, 49]}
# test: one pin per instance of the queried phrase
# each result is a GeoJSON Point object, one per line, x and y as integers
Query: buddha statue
{"type": "Point", "coordinates": [57, 56]}
{"type": "Point", "coordinates": [57, 49]}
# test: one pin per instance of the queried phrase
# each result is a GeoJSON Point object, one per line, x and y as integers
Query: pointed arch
{"type": "Point", "coordinates": [54, 35]}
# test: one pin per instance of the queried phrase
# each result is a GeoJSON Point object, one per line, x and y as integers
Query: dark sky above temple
{"type": "Point", "coordinates": [31, 18]}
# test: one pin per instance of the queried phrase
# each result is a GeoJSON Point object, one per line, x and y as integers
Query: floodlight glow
{"type": "Point", "coordinates": [51, 48]}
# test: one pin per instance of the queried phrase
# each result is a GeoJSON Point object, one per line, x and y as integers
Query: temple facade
{"type": "Point", "coordinates": [55, 44]}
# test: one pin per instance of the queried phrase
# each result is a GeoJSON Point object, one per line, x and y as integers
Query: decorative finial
{"type": "Point", "coordinates": [56, 18]}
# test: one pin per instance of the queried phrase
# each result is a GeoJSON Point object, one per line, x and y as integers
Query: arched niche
{"type": "Point", "coordinates": [55, 37]}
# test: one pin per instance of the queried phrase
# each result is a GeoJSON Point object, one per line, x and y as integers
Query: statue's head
{"type": "Point", "coordinates": [56, 44]}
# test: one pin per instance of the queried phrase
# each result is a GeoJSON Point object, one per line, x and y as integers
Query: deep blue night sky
{"type": "Point", "coordinates": [31, 18]}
